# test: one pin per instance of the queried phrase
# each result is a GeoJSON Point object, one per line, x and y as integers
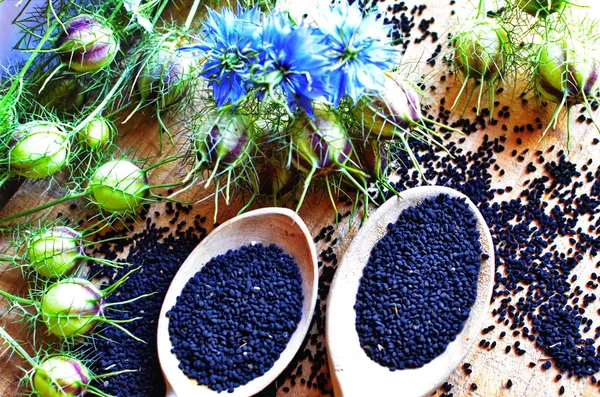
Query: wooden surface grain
{"type": "Point", "coordinates": [491, 368]}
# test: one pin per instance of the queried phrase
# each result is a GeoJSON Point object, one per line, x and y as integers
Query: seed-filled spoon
{"type": "Point", "coordinates": [266, 226]}
{"type": "Point", "coordinates": [356, 374]}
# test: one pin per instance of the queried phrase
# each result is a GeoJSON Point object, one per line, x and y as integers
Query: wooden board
{"type": "Point", "coordinates": [491, 368]}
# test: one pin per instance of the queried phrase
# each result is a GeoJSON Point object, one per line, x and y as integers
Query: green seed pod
{"type": "Point", "coordinates": [223, 139]}
{"type": "Point", "coordinates": [119, 186]}
{"type": "Point", "coordinates": [38, 149]}
{"type": "Point", "coordinates": [87, 44]}
{"type": "Point", "coordinates": [567, 70]}
{"type": "Point", "coordinates": [481, 51]}
{"type": "Point", "coordinates": [71, 307]}
{"type": "Point", "coordinates": [397, 106]}
{"type": "Point", "coordinates": [96, 134]}
{"type": "Point", "coordinates": [56, 252]}
{"type": "Point", "coordinates": [320, 144]}
{"type": "Point", "coordinates": [541, 8]}
{"type": "Point", "coordinates": [61, 376]}
{"type": "Point", "coordinates": [166, 75]}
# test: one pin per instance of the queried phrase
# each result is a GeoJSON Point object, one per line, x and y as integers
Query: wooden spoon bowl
{"type": "Point", "coordinates": [353, 372]}
{"type": "Point", "coordinates": [279, 226]}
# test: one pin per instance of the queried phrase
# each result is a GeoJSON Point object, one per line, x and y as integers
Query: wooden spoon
{"type": "Point", "coordinates": [280, 226]}
{"type": "Point", "coordinates": [352, 371]}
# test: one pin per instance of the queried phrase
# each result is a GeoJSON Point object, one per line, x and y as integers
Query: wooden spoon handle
{"type": "Point", "coordinates": [170, 391]}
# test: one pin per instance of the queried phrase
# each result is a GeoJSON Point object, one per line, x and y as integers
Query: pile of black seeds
{"type": "Point", "coordinates": [159, 252]}
{"type": "Point", "coordinates": [419, 284]}
{"type": "Point", "coordinates": [536, 295]}
{"type": "Point", "coordinates": [236, 315]}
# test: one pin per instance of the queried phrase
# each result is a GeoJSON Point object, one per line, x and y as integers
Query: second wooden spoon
{"type": "Point", "coordinates": [353, 372]}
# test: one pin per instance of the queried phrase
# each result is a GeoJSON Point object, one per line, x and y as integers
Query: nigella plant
{"type": "Point", "coordinates": [229, 46]}
{"type": "Point", "coordinates": [291, 63]}
{"type": "Point", "coordinates": [358, 48]}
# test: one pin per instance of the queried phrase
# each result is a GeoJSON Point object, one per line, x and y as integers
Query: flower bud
{"type": "Point", "coordinates": [166, 75]}
{"type": "Point", "coordinates": [96, 134]}
{"type": "Point", "coordinates": [541, 8]}
{"type": "Point", "coordinates": [86, 44]}
{"type": "Point", "coordinates": [38, 149]}
{"type": "Point", "coordinates": [567, 70]}
{"type": "Point", "coordinates": [55, 252]}
{"type": "Point", "coordinates": [398, 105]}
{"type": "Point", "coordinates": [71, 307]}
{"type": "Point", "coordinates": [482, 50]}
{"type": "Point", "coordinates": [61, 376]}
{"type": "Point", "coordinates": [119, 186]}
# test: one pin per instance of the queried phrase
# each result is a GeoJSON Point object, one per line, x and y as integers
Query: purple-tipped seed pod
{"type": "Point", "coordinates": [567, 71]}
{"type": "Point", "coordinates": [397, 106]}
{"type": "Point", "coordinates": [223, 139]}
{"type": "Point", "coordinates": [61, 376]}
{"type": "Point", "coordinates": [166, 75]}
{"type": "Point", "coordinates": [72, 307]}
{"type": "Point", "coordinates": [87, 44]}
{"type": "Point", "coordinates": [55, 252]}
{"type": "Point", "coordinates": [320, 144]}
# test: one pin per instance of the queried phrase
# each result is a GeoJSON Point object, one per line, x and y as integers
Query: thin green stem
{"type": "Point", "coordinates": [4, 178]}
{"type": "Point", "coordinates": [190, 17]}
{"type": "Point", "coordinates": [354, 181]}
{"type": "Point", "coordinates": [129, 300]}
{"type": "Point", "coordinates": [306, 185]}
{"type": "Point", "coordinates": [100, 107]}
{"type": "Point", "coordinates": [56, 70]}
{"type": "Point", "coordinates": [331, 198]}
{"type": "Point", "coordinates": [568, 129]}
{"type": "Point", "coordinates": [42, 207]}
{"type": "Point", "coordinates": [159, 12]}
{"type": "Point", "coordinates": [17, 299]}
{"type": "Point", "coordinates": [29, 62]}
{"type": "Point", "coordinates": [116, 10]}
{"type": "Point", "coordinates": [17, 347]}
{"type": "Point", "coordinates": [481, 10]}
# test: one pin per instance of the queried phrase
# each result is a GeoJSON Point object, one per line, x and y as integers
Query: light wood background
{"type": "Point", "coordinates": [491, 369]}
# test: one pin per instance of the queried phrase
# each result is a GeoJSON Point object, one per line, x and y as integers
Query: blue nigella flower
{"type": "Point", "coordinates": [359, 50]}
{"type": "Point", "coordinates": [230, 45]}
{"type": "Point", "coordinates": [291, 62]}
